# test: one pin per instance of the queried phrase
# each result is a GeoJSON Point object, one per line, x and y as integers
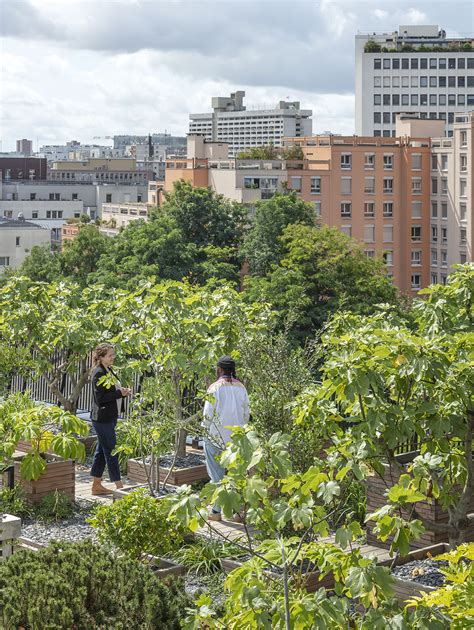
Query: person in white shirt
{"type": "Point", "coordinates": [228, 407]}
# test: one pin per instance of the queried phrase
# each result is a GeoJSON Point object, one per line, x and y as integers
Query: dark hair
{"type": "Point", "coordinates": [227, 365]}
{"type": "Point", "coordinates": [100, 351]}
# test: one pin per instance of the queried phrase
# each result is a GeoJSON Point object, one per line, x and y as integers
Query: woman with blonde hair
{"type": "Point", "coordinates": [104, 415]}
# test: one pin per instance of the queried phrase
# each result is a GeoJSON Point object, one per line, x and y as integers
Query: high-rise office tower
{"type": "Point", "coordinates": [417, 69]}
{"type": "Point", "coordinates": [242, 128]}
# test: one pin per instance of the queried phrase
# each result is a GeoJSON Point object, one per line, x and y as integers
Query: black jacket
{"type": "Point", "coordinates": [104, 406]}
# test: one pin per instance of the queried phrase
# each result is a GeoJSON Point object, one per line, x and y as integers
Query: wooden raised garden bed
{"type": "Point", "coordinates": [89, 444]}
{"type": "Point", "coordinates": [375, 491]}
{"type": "Point", "coordinates": [406, 589]}
{"type": "Point", "coordinates": [59, 475]}
{"type": "Point", "coordinates": [178, 477]}
{"type": "Point", "coordinates": [311, 579]}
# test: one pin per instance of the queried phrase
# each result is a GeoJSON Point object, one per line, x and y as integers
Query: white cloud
{"type": "Point", "coordinates": [113, 66]}
{"type": "Point", "coordinates": [415, 16]}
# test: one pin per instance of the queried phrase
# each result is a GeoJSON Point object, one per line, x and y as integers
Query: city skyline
{"type": "Point", "coordinates": [130, 66]}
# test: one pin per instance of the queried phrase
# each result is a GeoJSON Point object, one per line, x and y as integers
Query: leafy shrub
{"type": "Point", "coordinates": [204, 557]}
{"type": "Point", "coordinates": [137, 525]}
{"type": "Point", "coordinates": [12, 501]}
{"type": "Point", "coordinates": [84, 586]}
{"type": "Point", "coordinates": [55, 506]}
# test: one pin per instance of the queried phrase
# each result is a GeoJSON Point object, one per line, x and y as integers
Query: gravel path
{"type": "Point", "coordinates": [422, 571]}
{"type": "Point", "coordinates": [71, 529]}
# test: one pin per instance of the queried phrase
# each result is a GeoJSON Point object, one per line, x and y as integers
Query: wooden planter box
{"type": "Point", "coordinates": [406, 589]}
{"type": "Point", "coordinates": [375, 492]}
{"type": "Point", "coordinates": [163, 567]}
{"type": "Point", "coordinates": [89, 444]}
{"type": "Point", "coordinates": [178, 477]}
{"type": "Point", "coordinates": [121, 493]}
{"type": "Point", "coordinates": [312, 580]}
{"type": "Point", "coordinates": [59, 475]}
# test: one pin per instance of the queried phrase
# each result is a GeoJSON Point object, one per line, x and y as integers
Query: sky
{"type": "Point", "coordinates": [87, 69]}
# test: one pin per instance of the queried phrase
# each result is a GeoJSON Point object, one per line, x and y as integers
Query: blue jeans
{"type": "Point", "coordinates": [106, 441]}
{"type": "Point", "coordinates": [214, 469]}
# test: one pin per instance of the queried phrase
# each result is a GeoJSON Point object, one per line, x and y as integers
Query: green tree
{"type": "Point", "coordinates": [321, 271]}
{"type": "Point", "coordinates": [56, 326]}
{"type": "Point", "coordinates": [262, 246]}
{"type": "Point", "coordinates": [266, 152]}
{"type": "Point", "coordinates": [80, 256]}
{"type": "Point", "coordinates": [386, 383]}
{"type": "Point", "coordinates": [41, 264]}
{"type": "Point", "coordinates": [205, 217]}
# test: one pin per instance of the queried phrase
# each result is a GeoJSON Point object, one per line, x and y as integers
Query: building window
{"type": "Point", "coordinates": [369, 209]}
{"type": "Point", "coordinates": [434, 209]}
{"type": "Point", "coordinates": [315, 185]}
{"type": "Point", "coordinates": [346, 161]}
{"type": "Point", "coordinates": [423, 81]}
{"type": "Point", "coordinates": [4, 261]}
{"type": "Point", "coordinates": [444, 162]}
{"type": "Point", "coordinates": [108, 198]}
{"type": "Point", "coordinates": [377, 64]}
{"type": "Point", "coordinates": [462, 187]}
{"type": "Point", "coordinates": [347, 229]}
{"type": "Point", "coordinates": [463, 258]}
{"type": "Point", "coordinates": [444, 210]}
{"type": "Point", "coordinates": [388, 258]}
{"type": "Point", "coordinates": [377, 99]}
{"type": "Point", "coordinates": [388, 162]}
{"type": "Point", "coordinates": [405, 99]}
{"type": "Point", "coordinates": [317, 208]}
{"type": "Point", "coordinates": [434, 185]}
{"type": "Point", "coordinates": [369, 185]}
{"type": "Point", "coordinates": [74, 196]}
{"type": "Point", "coordinates": [442, 99]}
{"type": "Point", "coordinates": [388, 185]}
{"type": "Point", "coordinates": [416, 161]}
{"type": "Point", "coordinates": [369, 233]}
{"type": "Point", "coordinates": [434, 162]}
{"type": "Point", "coordinates": [34, 214]}
{"type": "Point", "coordinates": [377, 118]}
{"type": "Point", "coordinates": [139, 198]}
{"type": "Point", "coordinates": [463, 162]}
{"type": "Point", "coordinates": [434, 234]}
{"type": "Point", "coordinates": [388, 209]}
{"type": "Point", "coordinates": [370, 253]}
{"type": "Point", "coordinates": [416, 233]}
{"type": "Point", "coordinates": [388, 233]}
{"type": "Point", "coordinates": [346, 185]}
{"type": "Point", "coordinates": [415, 280]}
{"type": "Point", "coordinates": [416, 257]}
{"type": "Point", "coordinates": [444, 258]}
{"type": "Point", "coordinates": [32, 196]}
{"type": "Point", "coordinates": [463, 211]}
{"type": "Point", "coordinates": [463, 235]}
{"type": "Point", "coordinates": [434, 278]}
{"type": "Point", "coordinates": [463, 138]}
{"type": "Point", "coordinates": [416, 185]}
{"type": "Point", "coordinates": [433, 82]}
{"type": "Point", "coordinates": [17, 241]}
{"type": "Point", "coordinates": [434, 256]}
{"type": "Point", "coordinates": [444, 234]}
{"type": "Point", "coordinates": [346, 209]}
{"type": "Point", "coordinates": [416, 209]}
{"type": "Point", "coordinates": [378, 81]}
{"type": "Point", "coordinates": [369, 161]}
{"type": "Point", "coordinates": [433, 99]}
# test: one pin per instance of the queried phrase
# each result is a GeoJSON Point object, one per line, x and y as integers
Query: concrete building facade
{"type": "Point", "coordinates": [451, 190]}
{"type": "Point", "coordinates": [25, 147]}
{"type": "Point", "coordinates": [243, 129]}
{"type": "Point", "coordinates": [23, 168]}
{"type": "Point", "coordinates": [417, 69]}
{"type": "Point", "coordinates": [16, 240]}
{"type": "Point", "coordinates": [102, 170]}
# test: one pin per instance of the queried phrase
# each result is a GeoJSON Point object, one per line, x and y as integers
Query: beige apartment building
{"type": "Point", "coordinates": [379, 190]}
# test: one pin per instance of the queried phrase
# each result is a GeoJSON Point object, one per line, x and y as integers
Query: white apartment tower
{"type": "Point", "coordinates": [417, 70]}
{"type": "Point", "coordinates": [243, 129]}
{"type": "Point", "coordinates": [451, 194]}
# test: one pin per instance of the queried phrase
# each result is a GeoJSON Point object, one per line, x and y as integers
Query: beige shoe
{"type": "Point", "coordinates": [97, 487]}
{"type": "Point", "coordinates": [214, 516]}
